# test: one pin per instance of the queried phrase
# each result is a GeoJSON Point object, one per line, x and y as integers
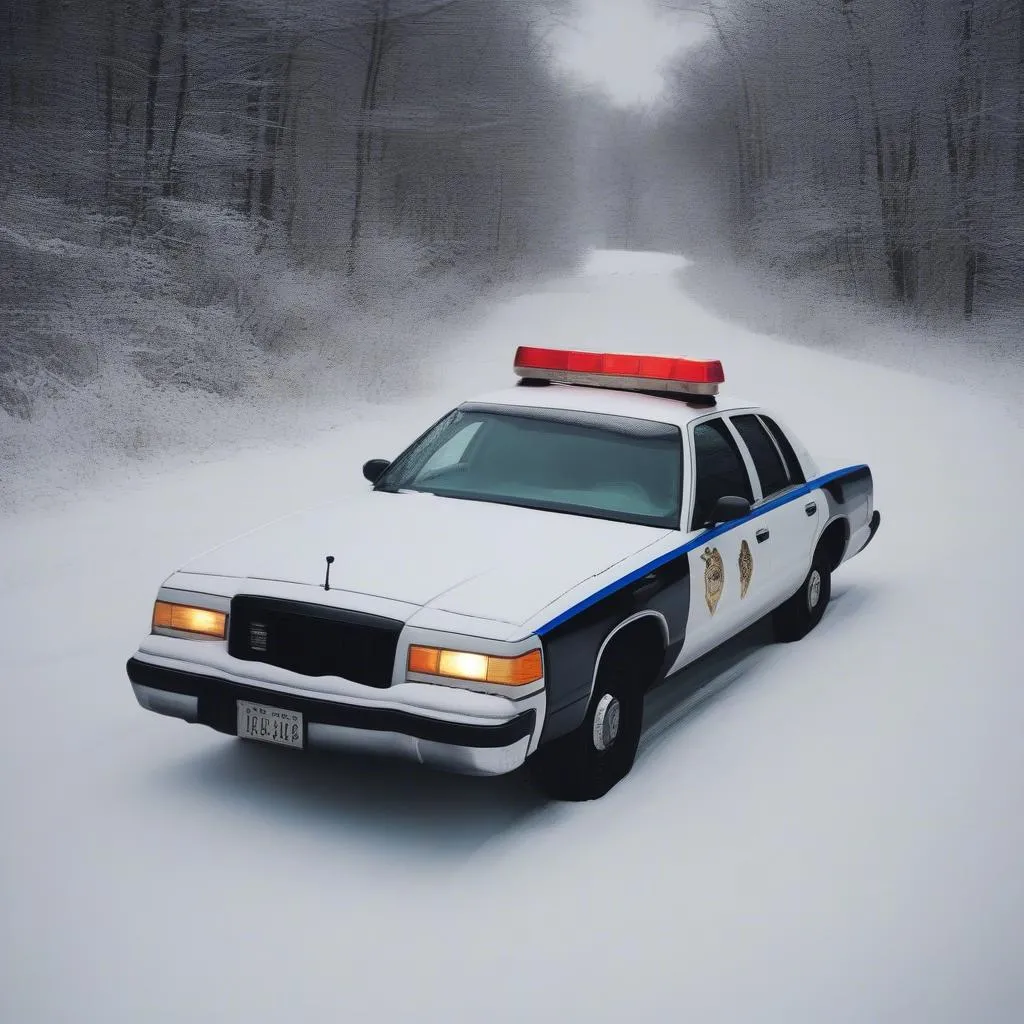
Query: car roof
{"type": "Point", "coordinates": [669, 409]}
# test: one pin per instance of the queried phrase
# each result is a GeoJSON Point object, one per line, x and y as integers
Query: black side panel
{"type": "Point", "coordinates": [855, 486]}
{"type": "Point", "coordinates": [571, 649]}
{"type": "Point", "coordinates": [851, 497]}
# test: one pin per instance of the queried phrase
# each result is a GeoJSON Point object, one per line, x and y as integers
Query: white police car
{"type": "Point", "coordinates": [516, 579]}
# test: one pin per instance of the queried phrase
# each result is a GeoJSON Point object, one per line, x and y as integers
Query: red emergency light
{"type": "Point", "coordinates": [619, 370]}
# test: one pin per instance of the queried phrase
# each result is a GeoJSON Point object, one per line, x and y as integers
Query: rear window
{"type": "Point", "coordinates": [796, 474]}
{"type": "Point", "coordinates": [767, 460]}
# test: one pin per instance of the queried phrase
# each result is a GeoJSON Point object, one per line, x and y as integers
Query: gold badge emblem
{"type": "Point", "coordinates": [746, 569]}
{"type": "Point", "coordinates": [714, 577]}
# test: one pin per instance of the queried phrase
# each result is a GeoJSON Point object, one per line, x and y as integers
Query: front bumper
{"type": "Point", "coordinates": [470, 749]}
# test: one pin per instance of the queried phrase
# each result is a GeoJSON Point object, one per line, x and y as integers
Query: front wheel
{"type": "Point", "coordinates": [586, 763]}
{"type": "Point", "coordinates": [794, 619]}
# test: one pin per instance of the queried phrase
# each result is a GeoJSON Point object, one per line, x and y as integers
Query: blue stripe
{"type": "Point", "coordinates": [704, 538]}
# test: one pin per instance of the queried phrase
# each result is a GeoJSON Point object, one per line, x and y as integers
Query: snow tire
{"type": "Point", "coordinates": [590, 760]}
{"type": "Point", "coordinates": [795, 618]}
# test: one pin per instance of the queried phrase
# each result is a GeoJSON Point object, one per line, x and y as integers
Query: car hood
{"type": "Point", "coordinates": [469, 557]}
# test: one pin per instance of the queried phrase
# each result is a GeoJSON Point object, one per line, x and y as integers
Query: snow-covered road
{"type": "Point", "coordinates": [837, 835]}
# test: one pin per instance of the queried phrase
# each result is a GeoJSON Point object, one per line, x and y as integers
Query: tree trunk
{"type": "Point", "coordinates": [152, 89]}
{"type": "Point", "coordinates": [970, 281]}
{"type": "Point", "coordinates": [292, 119]}
{"type": "Point", "coordinates": [1019, 154]}
{"type": "Point", "coordinates": [744, 127]}
{"type": "Point", "coordinates": [13, 85]}
{"type": "Point", "coordinates": [108, 107]}
{"type": "Point", "coordinates": [273, 133]}
{"type": "Point", "coordinates": [268, 161]}
{"type": "Point", "coordinates": [179, 105]}
{"type": "Point", "coordinates": [970, 101]}
{"type": "Point", "coordinates": [501, 207]}
{"type": "Point", "coordinates": [364, 134]}
{"type": "Point", "coordinates": [252, 113]}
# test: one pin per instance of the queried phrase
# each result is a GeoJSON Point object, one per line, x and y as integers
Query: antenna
{"type": "Point", "coordinates": [327, 578]}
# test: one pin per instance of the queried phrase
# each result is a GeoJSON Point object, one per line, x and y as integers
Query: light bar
{"type": "Point", "coordinates": [620, 370]}
{"type": "Point", "coordinates": [184, 618]}
{"type": "Point", "coordinates": [476, 668]}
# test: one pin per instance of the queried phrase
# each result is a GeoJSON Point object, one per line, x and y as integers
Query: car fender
{"type": "Point", "coordinates": [573, 647]}
{"type": "Point", "coordinates": [851, 497]}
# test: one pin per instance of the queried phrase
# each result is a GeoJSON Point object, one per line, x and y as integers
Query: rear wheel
{"type": "Point", "coordinates": [586, 763]}
{"type": "Point", "coordinates": [794, 619]}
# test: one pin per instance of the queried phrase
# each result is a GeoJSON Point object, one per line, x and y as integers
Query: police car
{"type": "Point", "coordinates": [512, 584]}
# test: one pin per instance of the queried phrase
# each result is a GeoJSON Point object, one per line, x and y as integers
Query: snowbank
{"type": "Point", "coordinates": [834, 837]}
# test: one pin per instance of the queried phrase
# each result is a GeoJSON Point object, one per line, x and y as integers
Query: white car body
{"type": "Point", "coordinates": [500, 580]}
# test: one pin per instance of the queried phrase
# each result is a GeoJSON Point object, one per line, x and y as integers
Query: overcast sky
{"type": "Point", "coordinates": [622, 46]}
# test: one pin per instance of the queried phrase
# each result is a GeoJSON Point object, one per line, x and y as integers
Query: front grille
{"type": "Point", "coordinates": [314, 640]}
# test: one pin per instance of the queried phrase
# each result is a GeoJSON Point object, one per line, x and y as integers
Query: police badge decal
{"type": "Point", "coordinates": [746, 569]}
{"type": "Point", "coordinates": [714, 577]}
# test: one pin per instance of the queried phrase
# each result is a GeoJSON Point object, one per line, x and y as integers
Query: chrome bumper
{"type": "Point", "coordinates": [466, 760]}
{"type": "Point", "coordinates": [468, 749]}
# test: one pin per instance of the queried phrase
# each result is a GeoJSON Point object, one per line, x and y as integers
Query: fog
{"type": "Point", "coordinates": [206, 208]}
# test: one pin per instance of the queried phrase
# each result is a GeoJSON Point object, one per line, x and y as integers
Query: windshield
{"type": "Point", "coordinates": [610, 467]}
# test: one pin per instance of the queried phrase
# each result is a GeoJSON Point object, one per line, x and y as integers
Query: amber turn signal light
{"type": "Point", "coordinates": [186, 619]}
{"type": "Point", "coordinates": [476, 668]}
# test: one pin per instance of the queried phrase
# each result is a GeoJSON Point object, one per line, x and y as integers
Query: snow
{"type": "Point", "coordinates": [831, 832]}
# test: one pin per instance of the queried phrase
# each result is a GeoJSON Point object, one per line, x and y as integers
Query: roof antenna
{"type": "Point", "coordinates": [327, 578]}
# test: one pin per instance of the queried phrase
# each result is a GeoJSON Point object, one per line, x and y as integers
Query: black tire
{"type": "Point", "coordinates": [794, 619]}
{"type": "Point", "coordinates": [574, 766]}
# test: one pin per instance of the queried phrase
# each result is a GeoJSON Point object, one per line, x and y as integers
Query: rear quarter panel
{"type": "Point", "coordinates": [851, 496]}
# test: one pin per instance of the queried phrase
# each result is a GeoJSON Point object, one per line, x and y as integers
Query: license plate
{"type": "Point", "coordinates": [271, 725]}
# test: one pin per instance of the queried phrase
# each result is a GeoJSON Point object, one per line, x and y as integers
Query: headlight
{"type": "Point", "coordinates": [476, 668]}
{"type": "Point", "coordinates": [184, 618]}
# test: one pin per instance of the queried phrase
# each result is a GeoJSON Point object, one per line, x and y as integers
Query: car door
{"type": "Point", "coordinates": [722, 584]}
{"type": "Point", "coordinates": [789, 526]}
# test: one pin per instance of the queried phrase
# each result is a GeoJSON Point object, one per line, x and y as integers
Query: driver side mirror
{"type": "Point", "coordinates": [727, 510]}
{"type": "Point", "coordinates": [374, 469]}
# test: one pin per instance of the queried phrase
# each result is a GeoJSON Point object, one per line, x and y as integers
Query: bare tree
{"type": "Point", "coordinates": [879, 147]}
{"type": "Point", "coordinates": [187, 153]}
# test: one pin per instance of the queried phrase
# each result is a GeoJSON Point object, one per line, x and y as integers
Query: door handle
{"type": "Point", "coordinates": [762, 536]}
{"type": "Point", "coordinates": [811, 508]}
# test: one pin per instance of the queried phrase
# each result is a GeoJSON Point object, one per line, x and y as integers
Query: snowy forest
{"type": "Point", "coordinates": [184, 184]}
{"type": "Point", "coordinates": [190, 188]}
{"type": "Point", "coordinates": [877, 147]}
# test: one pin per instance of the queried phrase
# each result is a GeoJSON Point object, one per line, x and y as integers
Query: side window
{"type": "Point", "coordinates": [796, 474]}
{"type": "Point", "coordinates": [767, 461]}
{"type": "Point", "coordinates": [720, 470]}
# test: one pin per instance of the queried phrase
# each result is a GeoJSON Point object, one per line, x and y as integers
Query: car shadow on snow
{"type": "Point", "coordinates": [687, 693]}
{"type": "Point", "coordinates": [684, 695]}
{"type": "Point", "coordinates": [350, 795]}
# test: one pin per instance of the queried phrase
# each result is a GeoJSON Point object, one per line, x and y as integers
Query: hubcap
{"type": "Point", "coordinates": [606, 722]}
{"type": "Point", "coordinates": [814, 590]}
